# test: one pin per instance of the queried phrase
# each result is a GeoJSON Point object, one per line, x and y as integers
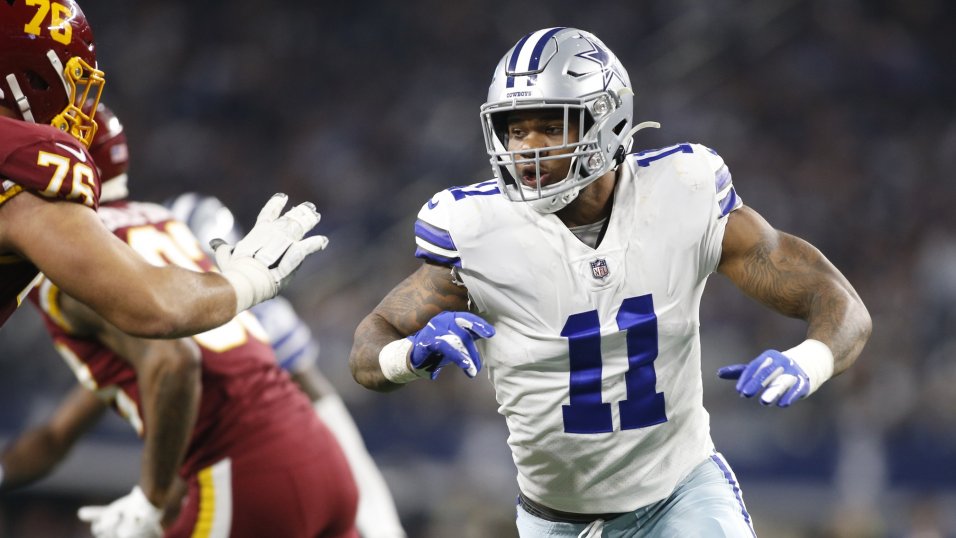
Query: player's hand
{"type": "Point", "coordinates": [449, 338]}
{"type": "Point", "coordinates": [132, 516]}
{"type": "Point", "coordinates": [780, 378]}
{"type": "Point", "coordinates": [784, 377]}
{"type": "Point", "coordinates": [262, 262]}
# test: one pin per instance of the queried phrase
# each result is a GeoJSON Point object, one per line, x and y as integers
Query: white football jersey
{"type": "Point", "coordinates": [596, 360]}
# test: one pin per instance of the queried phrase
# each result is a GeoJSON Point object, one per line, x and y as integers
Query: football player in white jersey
{"type": "Point", "coordinates": [576, 276]}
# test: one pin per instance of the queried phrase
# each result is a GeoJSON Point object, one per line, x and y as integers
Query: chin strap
{"type": "Point", "coordinates": [629, 137]}
{"type": "Point", "coordinates": [23, 105]}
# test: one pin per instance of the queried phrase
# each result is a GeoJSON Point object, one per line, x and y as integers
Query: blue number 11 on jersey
{"type": "Point", "coordinates": [643, 407]}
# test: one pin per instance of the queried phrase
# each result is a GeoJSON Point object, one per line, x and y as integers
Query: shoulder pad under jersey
{"type": "Point", "coordinates": [727, 197]}
{"type": "Point", "coordinates": [44, 160]}
{"type": "Point", "coordinates": [433, 236]}
{"type": "Point", "coordinates": [713, 164]}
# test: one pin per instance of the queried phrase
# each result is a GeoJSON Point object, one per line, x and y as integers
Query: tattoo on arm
{"type": "Point", "coordinates": [793, 278]}
{"type": "Point", "coordinates": [420, 297]}
{"type": "Point", "coordinates": [405, 310]}
{"type": "Point", "coordinates": [781, 275]}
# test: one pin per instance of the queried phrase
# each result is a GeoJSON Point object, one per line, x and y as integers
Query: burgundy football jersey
{"type": "Point", "coordinates": [246, 398]}
{"type": "Point", "coordinates": [48, 162]}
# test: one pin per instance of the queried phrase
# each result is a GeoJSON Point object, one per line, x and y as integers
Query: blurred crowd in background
{"type": "Point", "coordinates": [836, 118]}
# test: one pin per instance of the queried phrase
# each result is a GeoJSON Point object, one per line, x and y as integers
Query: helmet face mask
{"type": "Point", "coordinates": [85, 85]}
{"type": "Point", "coordinates": [48, 71]}
{"type": "Point", "coordinates": [573, 72]}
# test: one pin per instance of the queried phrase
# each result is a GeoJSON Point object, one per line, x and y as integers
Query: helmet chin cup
{"type": "Point", "coordinates": [554, 204]}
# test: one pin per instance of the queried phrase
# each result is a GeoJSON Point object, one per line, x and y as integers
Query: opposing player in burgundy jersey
{"type": "Point", "coordinates": [246, 441]}
{"type": "Point", "coordinates": [38, 450]}
{"type": "Point", "coordinates": [297, 352]}
{"type": "Point", "coordinates": [49, 88]}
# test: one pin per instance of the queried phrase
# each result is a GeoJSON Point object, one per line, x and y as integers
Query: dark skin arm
{"type": "Point", "coordinates": [174, 502]}
{"type": "Point", "coordinates": [70, 245]}
{"type": "Point", "coordinates": [168, 373]}
{"type": "Point", "coordinates": [790, 276]}
{"type": "Point", "coordinates": [427, 292]}
{"type": "Point", "coordinates": [35, 453]}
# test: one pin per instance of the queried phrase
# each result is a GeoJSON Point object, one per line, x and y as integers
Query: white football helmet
{"type": "Point", "coordinates": [572, 71]}
{"type": "Point", "coordinates": [207, 218]}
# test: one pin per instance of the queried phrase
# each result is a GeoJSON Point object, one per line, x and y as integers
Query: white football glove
{"type": "Point", "coordinates": [132, 516]}
{"type": "Point", "coordinates": [262, 262]}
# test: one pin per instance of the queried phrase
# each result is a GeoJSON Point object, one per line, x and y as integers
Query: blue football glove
{"type": "Point", "coordinates": [449, 338]}
{"type": "Point", "coordinates": [780, 378]}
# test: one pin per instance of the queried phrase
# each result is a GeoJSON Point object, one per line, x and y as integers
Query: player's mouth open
{"type": "Point", "coordinates": [530, 178]}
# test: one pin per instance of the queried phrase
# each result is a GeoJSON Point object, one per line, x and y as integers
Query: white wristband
{"type": "Point", "coordinates": [816, 360]}
{"type": "Point", "coordinates": [252, 282]}
{"type": "Point", "coordinates": [393, 360]}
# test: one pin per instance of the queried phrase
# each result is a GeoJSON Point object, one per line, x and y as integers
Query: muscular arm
{"type": "Point", "coordinates": [428, 291]}
{"type": "Point", "coordinates": [168, 373]}
{"type": "Point", "coordinates": [32, 455]}
{"type": "Point", "coordinates": [793, 278]}
{"type": "Point", "coordinates": [174, 502]}
{"type": "Point", "coordinates": [69, 244]}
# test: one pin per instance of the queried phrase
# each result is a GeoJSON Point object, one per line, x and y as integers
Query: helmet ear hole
{"type": "Point", "coordinates": [36, 81]}
{"type": "Point", "coordinates": [619, 127]}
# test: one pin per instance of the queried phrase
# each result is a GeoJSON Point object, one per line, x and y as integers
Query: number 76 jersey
{"type": "Point", "coordinates": [49, 163]}
{"type": "Point", "coordinates": [596, 359]}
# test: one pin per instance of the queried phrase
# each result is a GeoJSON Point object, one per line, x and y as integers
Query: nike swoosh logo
{"type": "Point", "coordinates": [78, 154]}
{"type": "Point", "coordinates": [432, 203]}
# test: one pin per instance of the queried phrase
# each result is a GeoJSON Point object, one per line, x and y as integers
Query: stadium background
{"type": "Point", "coordinates": [835, 117]}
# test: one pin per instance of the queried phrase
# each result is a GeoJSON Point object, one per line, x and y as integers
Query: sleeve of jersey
{"type": "Point", "coordinates": [727, 199]}
{"type": "Point", "coordinates": [53, 170]}
{"type": "Point", "coordinates": [292, 341]}
{"type": "Point", "coordinates": [433, 238]}
{"type": "Point", "coordinates": [726, 202]}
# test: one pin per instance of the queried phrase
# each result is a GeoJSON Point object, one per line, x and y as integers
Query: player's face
{"type": "Point", "coordinates": [534, 129]}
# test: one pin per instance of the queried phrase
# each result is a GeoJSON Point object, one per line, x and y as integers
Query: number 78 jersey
{"type": "Point", "coordinates": [596, 359]}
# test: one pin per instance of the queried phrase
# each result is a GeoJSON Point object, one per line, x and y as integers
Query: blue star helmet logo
{"type": "Point", "coordinates": [602, 57]}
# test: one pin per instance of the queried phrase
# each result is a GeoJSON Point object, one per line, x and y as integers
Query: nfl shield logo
{"type": "Point", "coordinates": [599, 268]}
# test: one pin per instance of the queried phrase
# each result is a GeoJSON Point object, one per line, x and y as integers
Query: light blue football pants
{"type": "Point", "coordinates": [707, 503]}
